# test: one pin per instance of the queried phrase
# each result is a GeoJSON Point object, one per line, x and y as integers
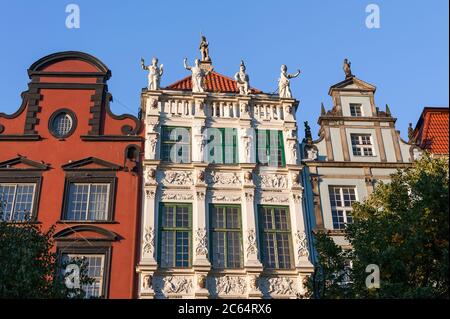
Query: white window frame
{"type": "Point", "coordinates": [344, 209]}
{"type": "Point", "coordinates": [102, 272]}
{"type": "Point", "coordinates": [15, 197]}
{"type": "Point", "coordinates": [359, 106]}
{"type": "Point", "coordinates": [360, 146]}
{"type": "Point", "coordinates": [108, 191]}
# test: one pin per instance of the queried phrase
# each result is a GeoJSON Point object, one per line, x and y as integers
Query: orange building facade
{"type": "Point", "coordinates": [67, 160]}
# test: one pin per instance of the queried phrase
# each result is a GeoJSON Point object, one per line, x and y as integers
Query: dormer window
{"type": "Point", "coordinates": [355, 109]}
{"type": "Point", "coordinates": [362, 145]}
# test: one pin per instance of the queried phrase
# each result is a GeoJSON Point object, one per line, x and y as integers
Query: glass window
{"type": "Point", "coordinates": [362, 144]}
{"type": "Point", "coordinates": [175, 144]}
{"type": "Point", "coordinates": [275, 237]}
{"type": "Point", "coordinates": [270, 148]}
{"type": "Point", "coordinates": [62, 124]}
{"type": "Point", "coordinates": [341, 200]}
{"type": "Point", "coordinates": [88, 201]}
{"type": "Point", "coordinates": [226, 236]}
{"type": "Point", "coordinates": [222, 146]}
{"type": "Point", "coordinates": [355, 109]}
{"type": "Point", "coordinates": [175, 235]}
{"type": "Point", "coordinates": [16, 201]}
{"type": "Point", "coordinates": [95, 270]}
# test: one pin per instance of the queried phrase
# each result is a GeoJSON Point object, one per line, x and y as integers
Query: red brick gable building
{"type": "Point", "coordinates": [66, 159]}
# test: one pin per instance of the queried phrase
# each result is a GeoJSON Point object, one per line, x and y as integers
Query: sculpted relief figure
{"type": "Point", "coordinates": [155, 73]}
{"type": "Point", "coordinates": [284, 86]}
{"type": "Point", "coordinates": [204, 50]}
{"type": "Point", "coordinates": [198, 76]}
{"type": "Point", "coordinates": [242, 79]}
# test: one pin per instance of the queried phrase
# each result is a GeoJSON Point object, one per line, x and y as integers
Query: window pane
{"type": "Point", "coordinates": [341, 208]}
{"type": "Point", "coordinates": [218, 248]}
{"type": "Point", "coordinates": [182, 218]}
{"type": "Point", "coordinates": [98, 202]}
{"type": "Point", "coordinates": [283, 251]}
{"type": "Point", "coordinates": [269, 250]}
{"type": "Point", "coordinates": [95, 266]}
{"type": "Point", "coordinates": [175, 144]}
{"type": "Point", "coordinates": [88, 202]}
{"type": "Point", "coordinates": [167, 248]}
{"type": "Point", "coordinates": [182, 249]}
{"type": "Point", "coordinates": [16, 201]}
{"type": "Point", "coordinates": [234, 250]}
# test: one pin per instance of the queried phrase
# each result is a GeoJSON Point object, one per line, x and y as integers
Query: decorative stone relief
{"type": "Point", "coordinates": [149, 240]}
{"type": "Point", "coordinates": [273, 181]}
{"type": "Point", "coordinates": [281, 286]}
{"type": "Point", "coordinates": [200, 195]}
{"type": "Point", "coordinates": [302, 244]}
{"type": "Point", "coordinates": [251, 243]}
{"type": "Point", "coordinates": [153, 143]}
{"type": "Point", "coordinates": [201, 281]}
{"type": "Point", "coordinates": [249, 197]}
{"type": "Point", "coordinates": [253, 283]}
{"type": "Point", "coordinates": [225, 198]}
{"type": "Point", "coordinates": [201, 239]}
{"type": "Point", "coordinates": [248, 177]}
{"type": "Point", "coordinates": [297, 198]}
{"type": "Point", "coordinates": [201, 176]}
{"type": "Point", "coordinates": [150, 194]}
{"type": "Point", "coordinates": [231, 285]}
{"type": "Point", "coordinates": [176, 196]}
{"type": "Point", "coordinates": [178, 178]}
{"type": "Point", "coordinates": [295, 179]}
{"type": "Point", "coordinates": [225, 179]}
{"type": "Point", "coordinates": [147, 282]}
{"type": "Point", "coordinates": [177, 285]}
{"type": "Point", "coordinates": [275, 199]}
{"type": "Point", "coordinates": [150, 176]}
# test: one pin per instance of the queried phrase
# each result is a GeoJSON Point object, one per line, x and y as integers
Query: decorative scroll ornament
{"type": "Point", "coordinates": [273, 181]}
{"type": "Point", "coordinates": [230, 179]}
{"type": "Point", "coordinates": [176, 285]}
{"type": "Point", "coordinates": [275, 199]}
{"type": "Point", "coordinates": [226, 198]}
{"type": "Point", "coordinates": [251, 243]}
{"type": "Point", "coordinates": [281, 286]}
{"type": "Point", "coordinates": [178, 178]}
{"type": "Point", "coordinates": [231, 285]}
{"type": "Point", "coordinates": [302, 244]}
{"type": "Point", "coordinates": [149, 240]}
{"type": "Point", "coordinates": [202, 248]}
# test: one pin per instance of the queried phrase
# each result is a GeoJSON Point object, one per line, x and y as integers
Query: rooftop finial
{"type": "Point", "coordinates": [308, 135]}
{"type": "Point", "coordinates": [348, 69]}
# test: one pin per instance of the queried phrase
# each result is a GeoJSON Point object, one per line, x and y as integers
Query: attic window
{"type": "Point", "coordinates": [62, 123]}
{"type": "Point", "coordinates": [355, 110]}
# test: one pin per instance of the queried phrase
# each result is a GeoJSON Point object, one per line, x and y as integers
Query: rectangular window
{"type": "Point", "coordinates": [270, 148]}
{"type": "Point", "coordinates": [175, 235]}
{"type": "Point", "coordinates": [16, 201]}
{"type": "Point", "coordinates": [222, 145]}
{"type": "Point", "coordinates": [355, 109]}
{"type": "Point", "coordinates": [226, 234]}
{"type": "Point", "coordinates": [175, 144]}
{"type": "Point", "coordinates": [341, 200]}
{"type": "Point", "coordinates": [362, 144]}
{"type": "Point", "coordinates": [275, 237]}
{"type": "Point", "coordinates": [88, 202]}
{"type": "Point", "coordinates": [95, 270]}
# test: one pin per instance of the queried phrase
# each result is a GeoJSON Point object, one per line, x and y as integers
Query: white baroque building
{"type": "Point", "coordinates": [222, 211]}
{"type": "Point", "coordinates": [358, 146]}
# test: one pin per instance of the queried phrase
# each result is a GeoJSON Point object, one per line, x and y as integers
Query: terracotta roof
{"type": "Point", "coordinates": [432, 130]}
{"type": "Point", "coordinates": [214, 82]}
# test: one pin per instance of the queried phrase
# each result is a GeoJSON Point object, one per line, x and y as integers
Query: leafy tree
{"type": "Point", "coordinates": [30, 269]}
{"type": "Point", "coordinates": [403, 228]}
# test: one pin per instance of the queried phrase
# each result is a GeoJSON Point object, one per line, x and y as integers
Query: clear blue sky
{"type": "Point", "coordinates": [407, 58]}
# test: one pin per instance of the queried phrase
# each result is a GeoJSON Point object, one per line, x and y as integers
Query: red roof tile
{"type": "Point", "coordinates": [214, 82]}
{"type": "Point", "coordinates": [433, 129]}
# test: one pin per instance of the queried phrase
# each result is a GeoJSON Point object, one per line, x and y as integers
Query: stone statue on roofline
{"type": "Point", "coordinates": [348, 69]}
{"type": "Point", "coordinates": [198, 76]}
{"type": "Point", "coordinates": [204, 50]}
{"type": "Point", "coordinates": [284, 86]}
{"type": "Point", "coordinates": [243, 80]}
{"type": "Point", "coordinates": [155, 73]}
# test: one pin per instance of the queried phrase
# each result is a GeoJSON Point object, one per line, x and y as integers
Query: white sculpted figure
{"type": "Point", "coordinates": [198, 76]}
{"type": "Point", "coordinates": [284, 86]}
{"type": "Point", "coordinates": [242, 79]}
{"type": "Point", "coordinates": [204, 50]}
{"type": "Point", "coordinates": [155, 73]}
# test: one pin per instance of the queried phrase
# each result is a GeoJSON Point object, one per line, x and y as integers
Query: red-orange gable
{"type": "Point", "coordinates": [432, 130]}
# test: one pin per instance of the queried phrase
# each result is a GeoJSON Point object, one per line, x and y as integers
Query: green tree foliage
{"type": "Point", "coordinates": [403, 228]}
{"type": "Point", "coordinates": [30, 269]}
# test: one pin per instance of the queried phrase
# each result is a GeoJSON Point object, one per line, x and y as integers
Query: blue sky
{"type": "Point", "coordinates": [407, 58]}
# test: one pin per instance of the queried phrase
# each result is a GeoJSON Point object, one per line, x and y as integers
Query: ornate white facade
{"type": "Point", "coordinates": [198, 184]}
